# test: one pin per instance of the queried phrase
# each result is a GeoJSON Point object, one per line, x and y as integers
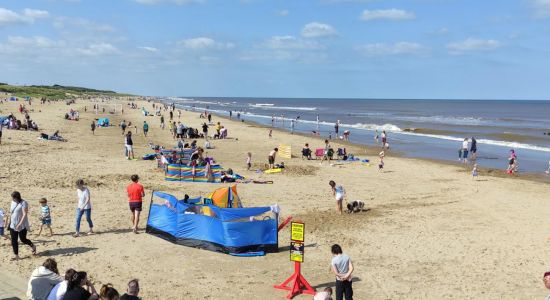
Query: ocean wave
{"type": "Point", "coordinates": [508, 144]}
{"type": "Point", "coordinates": [444, 120]}
{"type": "Point", "coordinates": [272, 106]}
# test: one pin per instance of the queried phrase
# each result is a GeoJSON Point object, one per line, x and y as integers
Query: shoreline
{"type": "Point", "coordinates": [372, 151]}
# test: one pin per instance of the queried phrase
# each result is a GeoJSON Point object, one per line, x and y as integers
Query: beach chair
{"type": "Point", "coordinates": [319, 153]}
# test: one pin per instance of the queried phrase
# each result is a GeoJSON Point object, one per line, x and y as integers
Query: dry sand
{"type": "Point", "coordinates": [431, 231]}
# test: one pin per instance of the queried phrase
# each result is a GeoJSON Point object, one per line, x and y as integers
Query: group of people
{"type": "Point", "coordinates": [46, 283]}
{"type": "Point", "coordinates": [18, 223]}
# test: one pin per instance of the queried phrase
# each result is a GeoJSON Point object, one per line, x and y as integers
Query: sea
{"type": "Point", "coordinates": [431, 129]}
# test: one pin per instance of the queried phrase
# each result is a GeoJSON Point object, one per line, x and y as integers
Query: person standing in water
{"type": "Point", "coordinates": [473, 149]}
{"type": "Point", "coordinates": [336, 126]}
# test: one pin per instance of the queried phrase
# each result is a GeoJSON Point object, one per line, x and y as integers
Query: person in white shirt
{"type": "Point", "coordinates": [84, 207]}
{"type": "Point", "coordinates": [59, 290]}
{"type": "Point", "coordinates": [465, 148]}
{"type": "Point", "coordinates": [2, 222]}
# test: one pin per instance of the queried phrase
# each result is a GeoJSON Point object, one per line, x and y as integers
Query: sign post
{"type": "Point", "coordinates": [299, 284]}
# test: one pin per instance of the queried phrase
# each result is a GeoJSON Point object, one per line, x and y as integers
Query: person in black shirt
{"type": "Point", "coordinates": [133, 291]}
{"type": "Point", "coordinates": [76, 290]}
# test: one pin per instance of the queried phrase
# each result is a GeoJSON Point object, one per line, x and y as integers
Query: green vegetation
{"type": "Point", "coordinates": [54, 92]}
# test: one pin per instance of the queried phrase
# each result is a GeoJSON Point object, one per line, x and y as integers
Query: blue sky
{"type": "Point", "coordinates": [475, 49]}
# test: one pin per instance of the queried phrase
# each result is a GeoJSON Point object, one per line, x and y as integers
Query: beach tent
{"type": "Point", "coordinates": [226, 197]}
{"type": "Point", "coordinates": [227, 230]}
{"type": "Point", "coordinates": [103, 122]}
{"type": "Point", "coordinates": [13, 98]}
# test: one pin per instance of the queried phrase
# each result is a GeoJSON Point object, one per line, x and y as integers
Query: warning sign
{"type": "Point", "coordinates": [297, 231]}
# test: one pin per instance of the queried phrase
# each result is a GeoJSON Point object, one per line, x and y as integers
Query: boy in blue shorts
{"type": "Point", "coordinates": [45, 216]}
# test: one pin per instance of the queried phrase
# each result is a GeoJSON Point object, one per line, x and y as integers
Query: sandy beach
{"type": "Point", "coordinates": [431, 231]}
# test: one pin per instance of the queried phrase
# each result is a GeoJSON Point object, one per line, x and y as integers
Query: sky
{"type": "Point", "coordinates": [406, 49]}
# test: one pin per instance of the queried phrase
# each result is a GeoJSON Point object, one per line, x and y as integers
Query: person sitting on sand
{"type": "Point", "coordinates": [76, 290]}
{"type": "Point", "coordinates": [306, 152]}
{"type": "Point", "coordinates": [59, 290]}
{"type": "Point", "coordinates": [132, 292]}
{"type": "Point", "coordinates": [108, 292]}
{"type": "Point", "coordinates": [271, 157]}
{"type": "Point", "coordinates": [339, 193]}
{"type": "Point", "coordinates": [43, 279]}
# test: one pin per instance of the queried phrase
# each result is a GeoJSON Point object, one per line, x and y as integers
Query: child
{"type": "Point", "coordinates": [474, 172]}
{"type": "Point", "coordinates": [548, 171]}
{"type": "Point", "coordinates": [45, 217]}
{"type": "Point", "coordinates": [326, 294]}
{"type": "Point", "coordinates": [2, 221]}
{"type": "Point", "coordinates": [270, 133]}
{"type": "Point", "coordinates": [248, 161]}
{"type": "Point", "coordinates": [381, 163]}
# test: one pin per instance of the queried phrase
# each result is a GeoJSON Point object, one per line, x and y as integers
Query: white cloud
{"type": "Point", "coordinates": [283, 13]}
{"type": "Point", "coordinates": [316, 30]}
{"type": "Point", "coordinates": [387, 14]}
{"type": "Point", "coordinates": [28, 16]}
{"type": "Point", "coordinates": [472, 44]}
{"type": "Point", "coordinates": [149, 49]}
{"type": "Point", "coordinates": [98, 49]}
{"type": "Point", "coordinates": [204, 43]}
{"type": "Point", "coordinates": [542, 8]}
{"type": "Point", "coordinates": [179, 2]}
{"type": "Point", "coordinates": [288, 42]}
{"type": "Point", "coordinates": [442, 31]}
{"type": "Point", "coordinates": [35, 42]}
{"type": "Point", "coordinates": [63, 22]}
{"type": "Point", "coordinates": [400, 48]}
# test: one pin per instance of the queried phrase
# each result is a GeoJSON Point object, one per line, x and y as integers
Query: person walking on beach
{"type": "Point", "coordinates": [512, 162]}
{"type": "Point", "coordinates": [271, 158]}
{"type": "Point", "coordinates": [342, 267]}
{"type": "Point", "coordinates": [123, 126]}
{"type": "Point", "coordinates": [376, 136]}
{"type": "Point", "coordinates": [292, 126]}
{"type": "Point", "coordinates": [473, 149]}
{"type": "Point", "coordinates": [129, 144]}
{"type": "Point", "coordinates": [338, 193]}
{"type": "Point", "coordinates": [162, 122]}
{"type": "Point", "coordinates": [19, 224]}
{"type": "Point", "coordinates": [205, 130]}
{"type": "Point", "coordinates": [45, 216]}
{"type": "Point", "coordinates": [145, 128]}
{"type": "Point", "coordinates": [84, 207]}
{"type": "Point", "coordinates": [384, 138]}
{"type": "Point", "coordinates": [135, 199]}
{"type": "Point", "coordinates": [210, 118]}
{"type": "Point", "coordinates": [92, 126]}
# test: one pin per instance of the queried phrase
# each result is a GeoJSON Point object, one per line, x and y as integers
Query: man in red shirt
{"type": "Point", "coordinates": [135, 199]}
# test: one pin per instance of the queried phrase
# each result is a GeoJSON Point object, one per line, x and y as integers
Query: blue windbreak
{"type": "Point", "coordinates": [222, 229]}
